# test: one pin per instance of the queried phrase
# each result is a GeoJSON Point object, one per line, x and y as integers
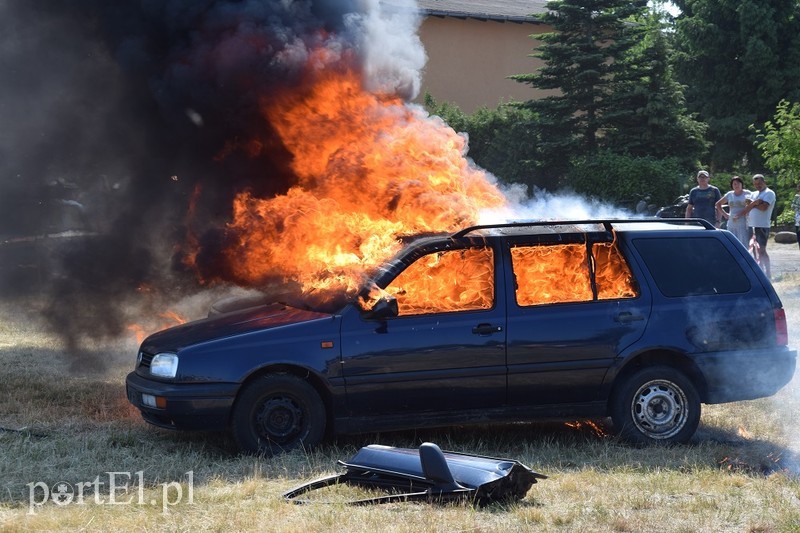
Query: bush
{"type": "Point", "coordinates": [503, 141]}
{"type": "Point", "coordinates": [623, 179]}
{"type": "Point", "coordinates": [500, 140]}
{"type": "Point", "coordinates": [783, 215]}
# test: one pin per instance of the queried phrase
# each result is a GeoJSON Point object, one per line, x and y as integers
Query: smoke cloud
{"type": "Point", "coordinates": [119, 118]}
{"type": "Point", "coordinates": [135, 124]}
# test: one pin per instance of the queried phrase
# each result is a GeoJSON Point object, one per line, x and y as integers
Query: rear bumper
{"type": "Point", "coordinates": [746, 375]}
{"type": "Point", "coordinates": [189, 406]}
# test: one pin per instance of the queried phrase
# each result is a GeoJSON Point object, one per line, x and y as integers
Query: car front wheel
{"type": "Point", "coordinates": [278, 413]}
{"type": "Point", "coordinates": [656, 405]}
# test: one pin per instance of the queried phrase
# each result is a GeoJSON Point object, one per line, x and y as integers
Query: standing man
{"type": "Point", "coordinates": [703, 199]}
{"type": "Point", "coordinates": [759, 217]}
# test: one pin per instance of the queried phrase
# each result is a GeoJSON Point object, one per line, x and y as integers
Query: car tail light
{"type": "Point", "coordinates": [781, 331]}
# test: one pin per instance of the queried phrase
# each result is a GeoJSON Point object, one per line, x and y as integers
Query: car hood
{"type": "Point", "coordinates": [221, 326]}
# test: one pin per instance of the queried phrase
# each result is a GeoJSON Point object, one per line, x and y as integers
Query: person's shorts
{"type": "Point", "coordinates": [761, 234]}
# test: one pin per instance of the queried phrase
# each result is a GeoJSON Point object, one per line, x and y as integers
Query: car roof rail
{"type": "Point", "coordinates": [608, 224]}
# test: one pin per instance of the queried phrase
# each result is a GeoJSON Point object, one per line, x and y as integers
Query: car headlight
{"type": "Point", "coordinates": [164, 365]}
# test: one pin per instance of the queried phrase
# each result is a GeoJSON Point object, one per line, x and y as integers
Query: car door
{"type": "Point", "coordinates": [445, 350]}
{"type": "Point", "coordinates": [572, 309]}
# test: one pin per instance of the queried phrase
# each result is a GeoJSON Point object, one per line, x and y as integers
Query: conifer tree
{"type": "Point", "coordinates": [738, 59]}
{"type": "Point", "coordinates": [647, 115]}
{"type": "Point", "coordinates": [582, 56]}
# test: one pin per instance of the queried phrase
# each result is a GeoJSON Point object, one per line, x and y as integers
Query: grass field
{"type": "Point", "coordinates": [65, 419]}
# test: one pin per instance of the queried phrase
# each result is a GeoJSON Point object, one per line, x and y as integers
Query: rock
{"type": "Point", "coordinates": [786, 237]}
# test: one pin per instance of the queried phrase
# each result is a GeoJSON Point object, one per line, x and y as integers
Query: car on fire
{"type": "Point", "coordinates": [641, 321]}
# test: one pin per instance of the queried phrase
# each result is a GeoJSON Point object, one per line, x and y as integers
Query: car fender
{"type": "Point", "coordinates": [640, 356]}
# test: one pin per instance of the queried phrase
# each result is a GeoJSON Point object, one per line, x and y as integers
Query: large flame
{"type": "Point", "coordinates": [548, 274]}
{"type": "Point", "coordinates": [370, 169]}
{"type": "Point", "coordinates": [612, 274]}
{"type": "Point", "coordinates": [560, 273]}
{"type": "Point", "coordinates": [456, 280]}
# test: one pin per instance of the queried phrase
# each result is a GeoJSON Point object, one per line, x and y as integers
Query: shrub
{"type": "Point", "coordinates": [501, 140]}
{"type": "Point", "coordinates": [623, 179]}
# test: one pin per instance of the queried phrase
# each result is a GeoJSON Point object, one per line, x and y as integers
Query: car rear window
{"type": "Point", "coordinates": [683, 266]}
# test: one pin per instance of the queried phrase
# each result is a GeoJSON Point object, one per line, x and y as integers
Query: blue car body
{"type": "Point", "coordinates": [507, 362]}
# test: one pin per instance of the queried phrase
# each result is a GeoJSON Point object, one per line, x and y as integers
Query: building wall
{"type": "Point", "coordinates": [469, 61]}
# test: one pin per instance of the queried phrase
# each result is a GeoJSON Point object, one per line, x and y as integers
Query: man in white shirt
{"type": "Point", "coordinates": [759, 217]}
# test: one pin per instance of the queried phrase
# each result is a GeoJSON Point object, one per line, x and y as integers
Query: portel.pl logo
{"type": "Point", "coordinates": [120, 488]}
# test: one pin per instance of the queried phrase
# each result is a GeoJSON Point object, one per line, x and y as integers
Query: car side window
{"type": "Point", "coordinates": [612, 274]}
{"type": "Point", "coordinates": [551, 274]}
{"type": "Point", "coordinates": [446, 281]}
{"type": "Point", "coordinates": [684, 266]}
{"type": "Point", "coordinates": [561, 273]}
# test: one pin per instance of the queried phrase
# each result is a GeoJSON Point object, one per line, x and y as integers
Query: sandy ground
{"type": "Point", "coordinates": [784, 258]}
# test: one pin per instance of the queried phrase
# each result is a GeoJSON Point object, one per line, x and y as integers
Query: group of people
{"type": "Point", "coordinates": [749, 212]}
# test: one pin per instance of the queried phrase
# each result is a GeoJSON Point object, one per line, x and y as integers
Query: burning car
{"type": "Point", "coordinates": [639, 320]}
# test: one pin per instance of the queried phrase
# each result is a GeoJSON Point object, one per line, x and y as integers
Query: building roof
{"type": "Point", "coordinates": [501, 10]}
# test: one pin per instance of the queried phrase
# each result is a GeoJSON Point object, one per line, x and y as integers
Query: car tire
{"type": "Point", "coordinates": [278, 413]}
{"type": "Point", "coordinates": [656, 405]}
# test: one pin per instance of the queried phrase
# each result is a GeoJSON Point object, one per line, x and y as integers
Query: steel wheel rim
{"type": "Point", "coordinates": [660, 409]}
{"type": "Point", "coordinates": [279, 419]}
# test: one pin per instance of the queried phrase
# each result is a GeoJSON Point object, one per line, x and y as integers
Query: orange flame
{"type": "Point", "coordinates": [370, 169]}
{"type": "Point", "coordinates": [170, 318]}
{"type": "Point", "coordinates": [138, 332]}
{"type": "Point", "coordinates": [613, 276]}
{"type": "Point", "coordinates": [559, 273]}
{"type": "Point", "coordinates": [547, 274]}
{"type": "Point", "coordinates": [468, 275]}
{"type": "Point", "coordinates": [589, 426]}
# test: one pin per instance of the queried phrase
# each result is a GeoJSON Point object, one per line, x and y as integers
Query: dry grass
{"type": "Point", "coordinates": [66, 419]}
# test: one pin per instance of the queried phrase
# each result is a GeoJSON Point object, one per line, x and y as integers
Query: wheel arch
{"type": "Point", "coordinates": [313, 379]}
{"type": "Point", "coordinates": [662, 356]}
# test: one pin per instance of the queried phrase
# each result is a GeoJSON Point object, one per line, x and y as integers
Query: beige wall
{"type": "Point", "coordinates": [469, 60]}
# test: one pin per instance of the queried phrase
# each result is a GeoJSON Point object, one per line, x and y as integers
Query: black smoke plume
{"type": "Point", "coordinates": [114, 116]}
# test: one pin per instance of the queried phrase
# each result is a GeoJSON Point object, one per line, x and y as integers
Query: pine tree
{"type": "Point", "coordinates": [738, 59]}
{"type": "Point", "coordinates": [581, 58]}
{"type": "Point", "coordinates": [647, 115]}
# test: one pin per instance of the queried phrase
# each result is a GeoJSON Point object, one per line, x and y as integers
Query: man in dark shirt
{"type": "Point", "coordinates": [702, 199]}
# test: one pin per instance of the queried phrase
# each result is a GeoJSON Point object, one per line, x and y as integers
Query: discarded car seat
{"type": "Point", "coordinates": [428, 474]}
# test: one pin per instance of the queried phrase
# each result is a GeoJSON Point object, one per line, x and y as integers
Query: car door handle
{"type": "Point", "coordinates": [486, 329]}
{"type": "Point", "coordinates": [626, 317]}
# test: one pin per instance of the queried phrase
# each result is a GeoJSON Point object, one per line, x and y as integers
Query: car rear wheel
{"type": "Point", "coordinates": [278, 413]}
{"type": "Point", "coordinates": [656, 405]}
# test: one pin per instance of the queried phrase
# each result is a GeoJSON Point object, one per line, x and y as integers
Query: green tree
{"type": "Point", "coordinates": [738, 59]}
{"type": "Point", "coordinates": [779, 142]}
{"type": "Point", "coordinates": [648, 115]}
{"type": "Point", "coordinates": [624, 179]}
{"type": "Point", "coordinates": [500, 140]}
{"type": "Point", "coordinates": [581, 58]}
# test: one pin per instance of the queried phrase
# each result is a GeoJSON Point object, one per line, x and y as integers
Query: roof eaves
{"type": "Point", "coordinates": [531, 19]}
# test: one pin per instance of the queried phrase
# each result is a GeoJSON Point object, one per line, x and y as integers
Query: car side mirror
{"type": "Point", "coordinates": [385, 307]}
